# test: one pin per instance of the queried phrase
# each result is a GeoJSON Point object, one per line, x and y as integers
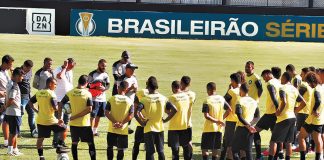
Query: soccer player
{"type": "Point", "coordinates": [284, 128]}
{"type": "Point", "coordinates": [119, 68]}
{"type": "Point", "coordinates": [315, 120]}
{"type": "Point", "coordinates": [5, 68]}
{"type": "Point", "coordinates": [43, 74]}
{"type": "Point", "coordinates": [101, 78]}
{"type": "Point", "coordinates": [119, 111]}
{"type": "Point", "coordinates": [231, 98]}
{"type": "Point", "coordinates": [13, 111]}
{"type": "Point", "coordinates": [178, 134]}
{"type": "Point", "coordinates": [268, 120]}
{"type": "Point", "coordinates": [154, 105]}
{"type": "Point", "coordinates": [296, 79]}
{"type": "Point", "coordinates": [243, 137]}
{"type": "Point", "coordinates": [214, 112]}
{"type": "Point", "coordinates": [81, 105]}
{"type": "Point", "coordinates": [255, 91]}
{"type": "Point", "coordinates": [276, 72]}
{"type": "Point", "coordinates": [25, 90]}
{"type": "Point", "coordinates": [185, 84]}
{"type": "Point", "coordinates": [46, 120]}
{"type": "Point", "coordinates": [64, 78]}
{"type": "Point", "coordinates": [139, 132]}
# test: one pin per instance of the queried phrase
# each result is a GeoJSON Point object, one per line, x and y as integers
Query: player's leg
{"type": "Point", "coordinates": [139, 133]}
{"type": "Point", "coordinates": [301, 141]}
{"type": "Point", "coordinates": [39, 145]}
{"type": "Point", "coordinates": [94, 115]}
{"type": "Point", "coordinates": [87, 136]}
{"type": "Point", "coordinates": [122, 144]}
{"type": "Point", "coordinates": [31, 119]}
{"type": "Point", "coordinates": [318, 144]}
{"type": "Point", "coordinates": [159, 144]}
{"type": "Point", "coordinates": [149, 143]}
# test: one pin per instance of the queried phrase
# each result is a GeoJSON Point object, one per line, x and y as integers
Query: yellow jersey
{"type": "Point", "coordinates": [291, 94]}
{"type": "Point", "coordinates": [270, 107]}
{"type": "Point", "coordinates": [154, 107]}
{"type": "Point", "coordinates": [79, 99]}
{"type": "Point", "coordinates": [182, 103]}
{"type": "Point", "coordinates": [248, 106]}
{"type": "Point", "coordinates": [45, 99]}
{"type": "Point", "coordinates": [234, 93]}
{"type": "Point", "coordinates": [120, 107]}
{"type": "Point", "coordinates": [140, 94]}
{"type": "Point", "coordinates": [307, 96]}
{"type": "Point", "coordinates": [215, 107]}
{"type": "Point", "coordinates": [311, 119]}
{"type": "Point", "coordinates": [253, 89]}
{"type": "Point", "coordinates": [192, 98]}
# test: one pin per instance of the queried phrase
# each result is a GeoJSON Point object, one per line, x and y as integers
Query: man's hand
{"type": "Point", "coordinates": [101, 88]}
{"type": "Point", "coordinates": [65, 64]}
{"type": "Point", "coordinates": [2, 93]}
{"type": "Point", "coordinates": [118, 125]}
{"type": "Point", "coordinates": [252, 129]}
{"type": "Point", "coordinates": [220, 123]}
{"type": "Point", "coordinates": [315, 113]}
{"type": "Point", "coordinates": [60, 122]}
{"type": "Point", "coordinates": [278, 113]}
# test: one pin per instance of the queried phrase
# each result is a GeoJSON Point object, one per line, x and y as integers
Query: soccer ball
{"type": "Point", "coordinates": [66, 108]}
{"type": "Point", "coordinates": [62, 156]}
{"type": "Point", "coordinates": [35, 133]}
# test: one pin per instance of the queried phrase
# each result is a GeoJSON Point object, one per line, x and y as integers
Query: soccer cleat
{"type": "Point", "coordinates": [281, 155]}
{"type": "Point", "coordinates": [41, 158]}
{"type": "Point", "coordinates": [17, 152]}
{"type": "Point", "coordinates": [11, 154]}
{"type": "Point", "coordinates": [96, 134]}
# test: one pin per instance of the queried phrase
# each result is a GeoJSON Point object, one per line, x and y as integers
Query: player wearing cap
{"type": "Point", "coordinates": [243, 137]}
{"type": "Point", "coordinates": [178, 126]}
{"type": "Point", "coordinates": [231, 98]}
{"type": "Point", "coordinates": [149, 114]}
{"type": "Point", "coordinates": [46, 120]}
{"type": "Point", "coordinates": [81, 105]}
{"type": "Point", "coordinates": [99, 83]}
{"type": "Point", "coordinates": [214, 112]}
{"type": "Point", "coordinates": [119, 111]}
{"type": "Point", "coordinates": [119, 68]}
{"type": "Point", "coordinates": [185, 84]}
{"type": "Point", "coordinates": [284, 128]}
{"type": "Point", "coordinates": [315, 120]}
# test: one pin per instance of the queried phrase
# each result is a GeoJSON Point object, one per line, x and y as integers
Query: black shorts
{"type": "Point", "coordinates": [242, 140]}
{"type": "Point", "coordinates": [301, 117]}
{"type": "Point", "coordinates": [2, 114]}
{"type": "Point", "coordinates": [117, 140]}
{"type": "Point", "coordinates": [229, 133]}
{"type": "Point", "coordinates": [178, 138]}
{"type": "Point", "coordinates": [152, 139]}
{"type": "Point", "coordinates": [211, 140]}
{"type": "Point", "coordinates": [267, 121]}
{"type": "Point", "coordinates": [139, 134]}
{"type": "Point", "coordinates": [190, 133]}
{"type": "Point", "coordinates": [284, 131]}
{"type": "Point", "coordinates": [83, 134]}
{"type": "Point", "coordinates": [14, 123]}
{"type": "Point", "coordinates": [98, 109]}
{"type": "Point", "coordinates": [310, 128]}
{"type": "Point", "coordinates": [44, 131]}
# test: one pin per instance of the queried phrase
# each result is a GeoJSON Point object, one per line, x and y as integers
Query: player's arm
{"type": "Point", "coordinates": [259, 87]}
{"type": "Point", "coordinates": [129, 116]}
{"type": "Point", "coordinates": [228, 109]}
{"type": "Point", "coordinates": [171, 110]}
{"type": "Point", "coordinates": [256, 116]}
{"type": "Point", "coordinates": [205, 110]}
{"type": "Point", "coordinates": [317, 103]}
{"type": "Point", "coordinates": [11, 98]}
{"type": "Point", "coordinates": [296, 82]}
{"type": "Point", "coordinates": [86, 111]}
{"type": "Point", "coordinates": [31, 102]}
{"type": "Point", "coordinates": [272, 93]}
{"type": "Point", "coordinates": [61, 104]}
{"type": "Point", "coordinates": [228, 98]}
{"type": "Point", "coordinates": [283, 103]}
{"type": "Point", "coordinates": [108, 113]}
{"type": "Point", "coordinates": [239, 112]}
{"type": "Point", "coordinates": [62, 71]}
{"type": "Point", "coordinates": [138, 114]}
{"type": "Point", "coordinates": [302, 91]}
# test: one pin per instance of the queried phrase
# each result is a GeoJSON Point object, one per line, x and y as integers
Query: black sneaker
{"type": "Point", "coordinates": [281, 155]}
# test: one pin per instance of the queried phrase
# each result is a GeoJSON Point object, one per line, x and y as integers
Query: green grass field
{"type": "Point", "coordinates": [167, 59]}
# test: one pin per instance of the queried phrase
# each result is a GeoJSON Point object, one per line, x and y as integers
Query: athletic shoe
{"type": "Point", "coordinates": [96, 134]}
{"type": "Point", "coordinates": [11, 154]}
{"type": "Point", "coordinates": [17, 152]}
{"type": "Point", "coordinates": [281, 155]}
{"type": "Point", "coordinates": [41, 158]}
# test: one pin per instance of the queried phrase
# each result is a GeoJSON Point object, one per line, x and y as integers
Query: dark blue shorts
{"type": "Point", "coordinates": [14, 123]}
{"type": "Point", "coordinates": [98, 109]}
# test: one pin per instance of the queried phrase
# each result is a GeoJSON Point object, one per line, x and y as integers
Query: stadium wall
{"type": "Point", "coordinates": [63, 9]}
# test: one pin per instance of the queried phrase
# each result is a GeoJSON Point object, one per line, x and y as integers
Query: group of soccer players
{"type": "Point", "coordinates": [292, 101]}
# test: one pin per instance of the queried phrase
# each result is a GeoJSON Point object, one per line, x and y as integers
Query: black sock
{"type": "Point", "coordinates": [75, 151]}
{"type": "Point", "coordinates": [205, 157]}
{"type": "Point", "coordinates": [270, 157]}
{"type": "Point", "coordinates": [257, 143]}
{"type": "Point", "coordinates": [110, 153]}
{"type": "Point", "coordinates": [287, 158]}
{"type": "Point", "coordinates": [161, 155]}
{"type": "Point", "coordinates": [92, 151]}
{"type": "Point", "coordinates": [317, 156]}
{"type": "Point", "coordinates": [40, 151]}
{"type": "Point", "coordinates": [135, 151]}
{"type": "Point", "coordinates": [223, 152]}
{"type": "Point", "coordinates": [120, 154]}
{"type": "Point", "coordinates": [175, 153]}
{"type": "Point", "coordinates": [214, 158]}
{"type": "Point", "coordinates": [186, 153]}
{"type": "Point", "coordinates": [302, 155]}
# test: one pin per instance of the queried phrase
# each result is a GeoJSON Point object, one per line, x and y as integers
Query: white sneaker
{"type": "Point", "coordinates": [11, 153]}
{"type": "Point", "coordinates": [17, 152]}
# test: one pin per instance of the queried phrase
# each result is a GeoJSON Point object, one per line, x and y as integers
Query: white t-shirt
{"type": "Point", "coordinates": [131, 80]}
{"type": "Point", "coordinates": [4, 79]}
{"type": "Point", "coordinates": [104, 78]}
{"type": "Point", "coordinates": [13, 91]}
{"type": "Point", "coordinates": [64, 84]}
